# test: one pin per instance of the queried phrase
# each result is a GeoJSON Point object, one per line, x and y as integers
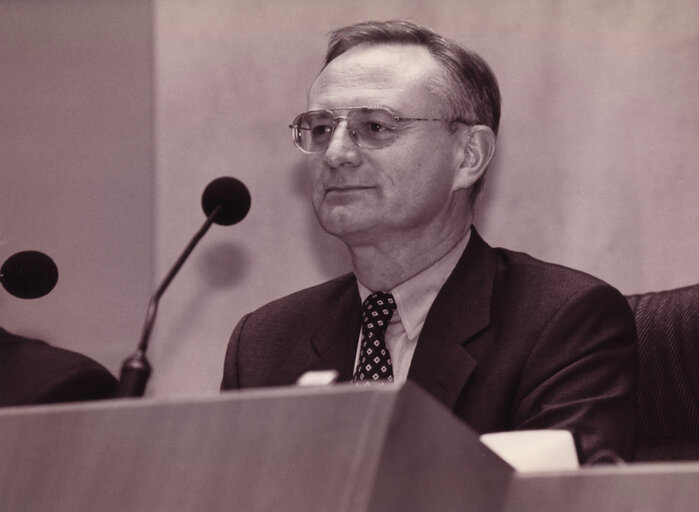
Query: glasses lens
{"type": "Point", "coordinates": [374, 127]}
{"type": "Point", "coordinates": [313, 131]}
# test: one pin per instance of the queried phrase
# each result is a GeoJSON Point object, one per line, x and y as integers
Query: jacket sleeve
{"type": "Point", "coordinates": [581, 375]}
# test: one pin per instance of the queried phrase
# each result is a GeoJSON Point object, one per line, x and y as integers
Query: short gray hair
{"type": "Point", "coordinates": [468, 88]}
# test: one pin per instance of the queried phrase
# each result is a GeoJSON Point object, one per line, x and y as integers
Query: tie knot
{"type": "Point", "coordinates": [377, 310]}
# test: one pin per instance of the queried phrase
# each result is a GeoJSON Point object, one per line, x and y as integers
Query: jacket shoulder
{"type": "Point", "coordinates": [534, 276]}
{"type": "Point", "coordinates": [271, 345]}
{"type": "Point", "coordinates": [33, 372]}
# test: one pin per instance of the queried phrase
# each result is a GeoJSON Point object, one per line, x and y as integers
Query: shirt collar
{"type": "Point", "coordinates": [414, 297]}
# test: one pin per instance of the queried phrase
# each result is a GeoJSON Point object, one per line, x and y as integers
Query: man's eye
{"type": "Point", "coordinates": [320, 130]}
{"type": "Point", "coordinates": [374, 127]}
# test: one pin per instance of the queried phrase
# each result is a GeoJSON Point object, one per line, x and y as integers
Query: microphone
{"type": "Point", "coordinates": [231, 198]}
{"type": "Point", "coordinates": [29, 274]}
{"type": "Point", "coordinates": [225, 201]}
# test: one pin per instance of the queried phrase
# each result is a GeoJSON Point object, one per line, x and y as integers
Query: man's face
{"type": "Point", "coordinates": [394, 193]}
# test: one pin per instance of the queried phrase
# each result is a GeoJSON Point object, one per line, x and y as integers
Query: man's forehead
{"type": "Point", "coordinates": [384, 66]}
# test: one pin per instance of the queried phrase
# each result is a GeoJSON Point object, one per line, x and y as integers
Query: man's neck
{"type": "Point", "coordinates": [385, 265]}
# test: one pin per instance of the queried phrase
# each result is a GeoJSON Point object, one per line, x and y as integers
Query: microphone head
{"type": "Point", "coordinates": [29, 274]}
{"type": "Point", "coordinates": [231, 195]}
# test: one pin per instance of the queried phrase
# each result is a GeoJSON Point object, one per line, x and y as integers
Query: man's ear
{"type": "Point", "coordinates": [478, 149]}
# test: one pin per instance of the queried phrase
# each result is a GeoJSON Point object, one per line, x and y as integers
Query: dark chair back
{"type": "Point", "coordinates": [667, 399]}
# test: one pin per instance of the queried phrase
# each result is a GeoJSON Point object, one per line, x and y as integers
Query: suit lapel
{"type": "Point", "coordinates": [441, 365]}
{"type": "Point", "coordinates": [334, 341]}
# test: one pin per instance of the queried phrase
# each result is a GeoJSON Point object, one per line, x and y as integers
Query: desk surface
{"type": "Point", "coordinates": [339, 448]}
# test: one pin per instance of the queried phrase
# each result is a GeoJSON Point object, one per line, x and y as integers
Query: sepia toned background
{"type": "Point", "coordinates": [114, 116]}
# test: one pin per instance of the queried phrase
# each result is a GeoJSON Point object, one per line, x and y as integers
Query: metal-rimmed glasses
{"type": "Point", "coordinates": [368, 127]}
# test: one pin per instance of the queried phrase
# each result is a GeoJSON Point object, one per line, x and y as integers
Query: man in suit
{"type": "Point", "coordinates": [400, 131]}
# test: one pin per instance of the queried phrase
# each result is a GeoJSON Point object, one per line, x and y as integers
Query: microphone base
{"type": "Point", "coordinates": [135, 373]}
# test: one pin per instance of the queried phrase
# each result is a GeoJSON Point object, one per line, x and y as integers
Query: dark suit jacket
{"type": "Point", "coordinates": [509, 343]}
{"type": "Point", "coordinates": [34, 372]}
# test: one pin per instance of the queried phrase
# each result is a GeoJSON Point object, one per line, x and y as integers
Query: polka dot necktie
{"type": "Point", "coordinates": [374, 362]}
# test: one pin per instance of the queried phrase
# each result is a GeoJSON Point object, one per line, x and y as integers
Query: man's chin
{"type": "Point", "coordinates": [345, 224]}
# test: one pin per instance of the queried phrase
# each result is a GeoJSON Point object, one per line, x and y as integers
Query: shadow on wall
{"type": "Point", "coordinates": [329, 254]}
{"type": "Point", "coordinates": [223, 264]}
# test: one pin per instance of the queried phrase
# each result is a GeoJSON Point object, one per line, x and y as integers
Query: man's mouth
{"type": "Point", "coordinates": [347, 188]}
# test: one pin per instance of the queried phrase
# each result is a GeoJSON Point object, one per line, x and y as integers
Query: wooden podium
{"type": "Point", "coordinates": [341, 448]}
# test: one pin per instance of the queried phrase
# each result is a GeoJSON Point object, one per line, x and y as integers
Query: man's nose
{"type": "Point", "coordinates": [342, 150]}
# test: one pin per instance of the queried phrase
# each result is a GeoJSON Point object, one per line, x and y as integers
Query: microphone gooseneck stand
{"type": "Point", "coordinates": [136, 369]}
{"type": "Point", "coordinates": [225, 201]}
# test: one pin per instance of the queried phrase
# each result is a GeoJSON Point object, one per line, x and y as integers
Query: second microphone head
{"type": "Point", "coordinates": [231, 195]}
{"type": "Point", "coordinates": [29, 274]}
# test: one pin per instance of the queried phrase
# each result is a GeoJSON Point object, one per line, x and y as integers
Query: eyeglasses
{"type": "Point", "coordinates": [368, 127]}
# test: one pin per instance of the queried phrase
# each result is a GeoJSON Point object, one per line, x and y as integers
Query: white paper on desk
{"type": "Point", "coordinates": [534, 450]}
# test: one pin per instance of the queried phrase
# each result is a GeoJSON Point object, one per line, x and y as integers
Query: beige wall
{"type": "Point", "coordinates": [76, 160]}
{"type": "Point", "coordinates": [595, 166]}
